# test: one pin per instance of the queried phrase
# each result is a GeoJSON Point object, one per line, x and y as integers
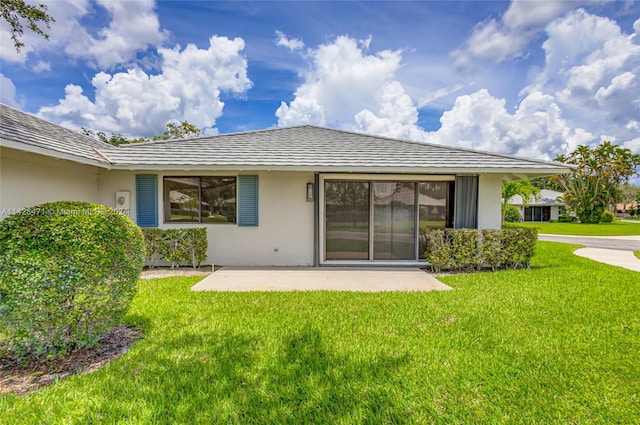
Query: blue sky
{"type": "Point", "coordinates": [530, 78]}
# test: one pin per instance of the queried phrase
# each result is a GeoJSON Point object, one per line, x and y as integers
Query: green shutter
{"type": "Point", "coordinates": [147, 200]}
{"type": "Point", "coordinates": [247, 200]}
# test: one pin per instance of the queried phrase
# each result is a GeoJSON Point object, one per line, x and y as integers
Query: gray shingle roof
{"type": "Point", "coordinates": [18, 126]}
{"type": "Point", "coordinates": [294, 148]}
{"type": "Point", "coordinates": [319, 149]}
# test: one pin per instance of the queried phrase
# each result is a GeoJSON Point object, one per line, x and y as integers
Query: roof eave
{"type": "Point", "coordinates": [25, 147]}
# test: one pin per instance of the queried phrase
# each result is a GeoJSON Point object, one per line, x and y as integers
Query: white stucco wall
{"type": "Point", "coordinates": [489, 201]}
{"type": "Point", "coordinates": [28, 179]}
{"type": "Point", "coordinates": [284, 235]}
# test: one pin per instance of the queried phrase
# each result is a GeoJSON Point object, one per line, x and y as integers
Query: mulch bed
{"type": "Point", "coordinates": [19, 379]}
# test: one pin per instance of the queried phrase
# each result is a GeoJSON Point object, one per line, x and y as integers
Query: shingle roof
{"type": "Point", "coordinates": [294, 148]}
{"type": "Point", "coordinates": [320, 149]}
{"type": "Point", "coordinates": [26, 129]}
{"type": "Point", "coordinates": [547, 197]}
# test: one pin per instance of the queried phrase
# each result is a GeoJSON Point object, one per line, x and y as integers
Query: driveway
{"type": "Point", "coordinates": [624, 243]}
{"type": "Point", "coordinates": [360, 279]}
{"type": "Point", "coordinates": [613, 250]}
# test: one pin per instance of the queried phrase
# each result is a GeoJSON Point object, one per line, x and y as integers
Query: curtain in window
{"type": "Point", "coordinates": [466, 202]}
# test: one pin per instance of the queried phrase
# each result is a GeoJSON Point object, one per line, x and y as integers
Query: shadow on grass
{"type": "Point", "coordinates": [235, 378]}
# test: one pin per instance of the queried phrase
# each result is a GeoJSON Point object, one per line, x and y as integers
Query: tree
{"type": "Point", "coordinates": [16, 11]}
{"type": "Point", "coordinates": [179, 131]}
{"type": "Point", "coordinates": [173, 131]}
{"type": "Point", "coordinates": [594, 185]}
{"type": "Point", "coordinates": [524, 188]}
{"type": "Point", "coordinates": [548, 183]}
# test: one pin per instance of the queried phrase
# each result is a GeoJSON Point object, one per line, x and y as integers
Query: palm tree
{"type": "Point", "coordinates": [524, 188]}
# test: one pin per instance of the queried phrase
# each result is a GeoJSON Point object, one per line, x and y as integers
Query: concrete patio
{"type": "Point", "coordinates": [380, 279]}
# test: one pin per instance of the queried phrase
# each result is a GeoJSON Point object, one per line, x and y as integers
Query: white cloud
{"type": "Point", "coordinates": [346, 87]}
{"type": "Point", "coordinates": [135, 103]}
{"type": "Point", "coordinates": [41, 66]}
{"type": "Point", "coordinates": [133, 27]}
{"type": "Point", "coordinates": [498, 40]}
{"type": "Point", "coordinates": [591, 69]}
{"type": "Point", "coordinates": [290, 43]}
{"type": "Point", "coordinates": [8, 92]}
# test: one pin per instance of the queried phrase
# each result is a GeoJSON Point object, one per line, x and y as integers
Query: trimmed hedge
{"type": "Point", "coordinates": [176, 246]}
{"type": "Point", "coordinates": [68, 272]}
{"type": "Point", "coordinates": [468, 249]}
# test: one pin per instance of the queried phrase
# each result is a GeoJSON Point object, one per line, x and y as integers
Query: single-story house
{"type": "Point", "coordinates": [302, 195]}
{"type": "Point", "coordinates": [545, 207]}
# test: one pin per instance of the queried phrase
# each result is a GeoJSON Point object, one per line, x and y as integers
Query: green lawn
{"type": "Point", "coordinates": [555, 344]}
{"type": "Point", "coordinates": [603, 229]}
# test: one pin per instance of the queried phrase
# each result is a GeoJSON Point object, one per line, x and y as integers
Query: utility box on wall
{"type": "Point", "coordinates": [123, 201]}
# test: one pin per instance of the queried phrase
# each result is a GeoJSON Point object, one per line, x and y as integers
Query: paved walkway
{"type": "Point", "coordinates": [360, 279]}
{"type": "Point", "coordinates": [613, 250]}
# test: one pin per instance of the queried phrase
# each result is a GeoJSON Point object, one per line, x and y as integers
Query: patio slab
{"type": "Point", "coordinates": [382, 279]}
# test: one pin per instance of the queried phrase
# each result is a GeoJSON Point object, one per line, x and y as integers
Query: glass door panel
{"type": "Point", "coordinates": [432, 209]}
{"type": "Point", "coordinates": [394, 220]}
{"type": "Point", "coordinates": [346, 220]}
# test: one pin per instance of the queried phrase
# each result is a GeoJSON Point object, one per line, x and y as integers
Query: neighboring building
{"type": "Point", "coordinates": [544, 208]}
{"type": "Point", "coordinates": [284, 196]}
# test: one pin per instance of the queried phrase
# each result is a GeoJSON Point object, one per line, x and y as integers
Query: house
{"type": "Point", "coordinates": [302, 195]}
{"type": "Point", "coordinates": [545, 207]}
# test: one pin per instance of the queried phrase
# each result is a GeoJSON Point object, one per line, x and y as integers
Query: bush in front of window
{"type": "Point", "coordinates": [176, 246]}
{"type": "Point", "coordinates": [68, 272]}
{"type": "Point", "coordinates": [511, 214]}
{"type": "Point", "coordinates": [607, 217]}
{"type": "Point", "coordinates": [468, 249]}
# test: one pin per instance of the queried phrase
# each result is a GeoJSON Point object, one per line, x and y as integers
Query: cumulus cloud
{"type": "Point", "coordinates": [133, 27]}
{"type": "Point", "coordinates": [498, 40]}
{"type": "Point", "coordinates": [8, 92]}
{"type": "Point", "coordinates": [290, 43]}
{"type": "Point", "coordinates": [135, 103]}
{"type": "Point", "coordinates": [348, 88]}
{"type": "Point", "coordinates": [591, 68]}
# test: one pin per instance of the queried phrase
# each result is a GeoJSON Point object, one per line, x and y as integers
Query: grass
{"type": "Point", "coordinates": [604, 229]}
{"type": "Point", "coordinates": [636, 253]}
{"type": "Point", "coordinates": [555, 344]}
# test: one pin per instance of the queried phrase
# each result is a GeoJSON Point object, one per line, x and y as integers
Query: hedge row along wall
{"type": "Point", "coordinates": [176, 246]}
{"type": "Point", "coordinates": [468, 249]}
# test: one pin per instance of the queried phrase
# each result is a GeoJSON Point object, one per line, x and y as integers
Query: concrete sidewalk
{"type": "Point", "coordinates": [359, 279]}
{"type": "Point", "coordinates": [614, 257]}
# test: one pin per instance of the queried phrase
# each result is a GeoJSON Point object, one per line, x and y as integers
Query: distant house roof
{"type": "Point", "coordinates": [546, 198]}
{"type": "Point", "coordinates": [304, 147]}
{"type": "Point", "coordinates": [26, 132]}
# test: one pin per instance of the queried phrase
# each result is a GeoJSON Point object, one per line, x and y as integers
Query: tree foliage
{"type": "Point", "coordinates": [548, 183]}
{"type": "Point", "coordinates": [179, 131]}
{"type": "Point", "coordinates": [17, 11]}
{"type": "Point", "coordinates": [524, 188]}
{"type": "Point", "coordinates": [173, 131]}
{"type": "Point", "coordinates": [594, 185]}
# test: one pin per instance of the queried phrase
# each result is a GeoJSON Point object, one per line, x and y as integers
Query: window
{"type": "Point", "coordinates": [200, 199]}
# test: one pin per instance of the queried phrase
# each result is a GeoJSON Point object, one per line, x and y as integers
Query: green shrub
{"type": "Point", "coordinates": [153, 242]}
{"type": "Point", "coordinates": [465, 249]}
{"type": "Point", "coordinates": [511, 214]}
{"type": "Point", "coordinates": [439, 252]}
{"type": "Point", "coordinates": [517, 247]}
{"type": "Point", "coordinates": [565, 218]}
{"type": "Point", "coordinates": [490, 248]}
{"type": "Point", "coordinates": [607, 217]}
{"type": "Point", "coordinates": [68, 271]}
{"type": "Point", "coordinates": [176, 246]}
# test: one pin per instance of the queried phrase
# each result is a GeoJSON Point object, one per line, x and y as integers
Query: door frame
{"type": "Point", "coordinates": [322, 177]}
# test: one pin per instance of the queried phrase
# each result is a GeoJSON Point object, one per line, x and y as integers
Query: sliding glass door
{"type": "Point", "coordinates": [346, 220]}
{"type": "Point", "coordinates": [381, 220]}
{"type": "Point", "coordinates": [394, 221]}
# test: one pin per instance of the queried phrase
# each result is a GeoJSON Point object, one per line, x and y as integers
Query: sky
{"type": "Point", "coordinates": [528, 78]}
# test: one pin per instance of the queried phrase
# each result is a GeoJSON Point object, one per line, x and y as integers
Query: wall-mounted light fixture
{"type": "Point", "coordinates": [309, 192]}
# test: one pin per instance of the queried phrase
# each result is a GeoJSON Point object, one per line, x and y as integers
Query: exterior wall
{"type": "Point", "coordinates": [555, 212]}
{"type": "Point", "coordinates": [283, 237]}
{"type": "Point", "coordinates": [489, 201]}
{"type": "Point", "coordinates": [28, 179]}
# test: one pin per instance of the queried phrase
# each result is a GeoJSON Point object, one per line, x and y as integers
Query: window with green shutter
{"type": "Point", "coordinates": [147, 200]}
{"type": "Point", "coordinates": [247, 200]}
